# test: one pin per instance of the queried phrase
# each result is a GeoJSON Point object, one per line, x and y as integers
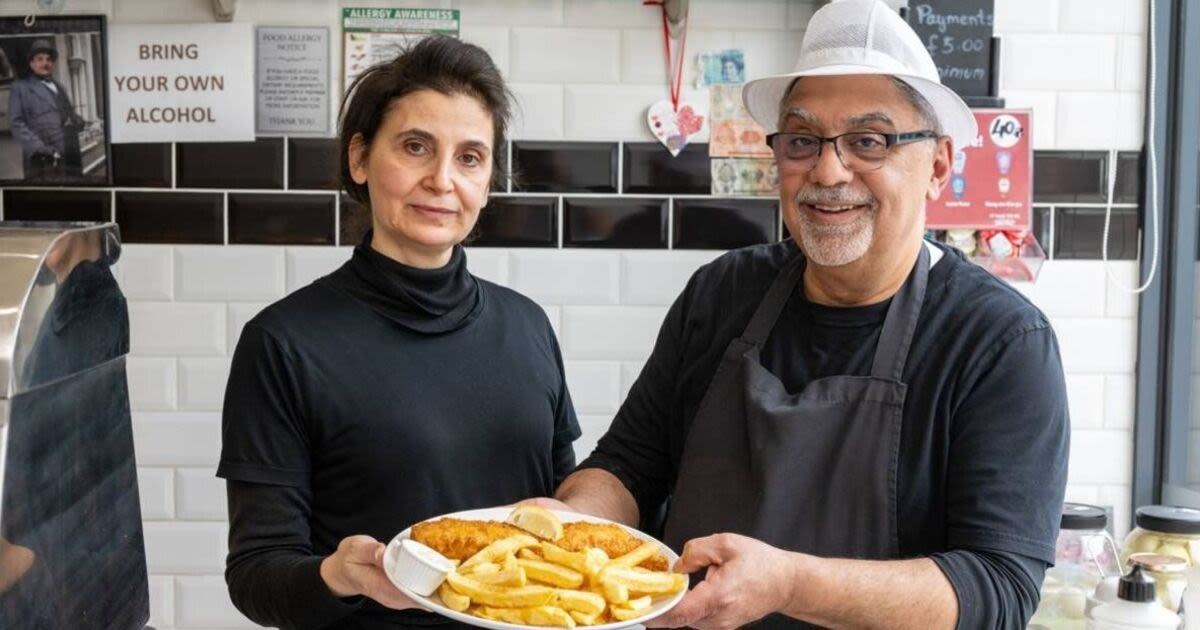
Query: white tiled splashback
{"type": "Point", "coordinates": [607, 306]}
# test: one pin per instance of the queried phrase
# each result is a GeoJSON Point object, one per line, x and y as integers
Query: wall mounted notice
{"type": "Point", "coordinates": [293, 80]}
{"type": "Point", "coordinates": [991, 182]}
{"type": "Point", "coordinates": [181, 82]}
{"type": "Point", "coordinates": [371, 36]}
{"type": "Point", "coordinates": [958, 35]}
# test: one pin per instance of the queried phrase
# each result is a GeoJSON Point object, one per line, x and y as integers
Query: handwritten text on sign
{"type": "Point", "coordinates": [958, 35]}
{"type": "Point", "coordinates": [180, 83]}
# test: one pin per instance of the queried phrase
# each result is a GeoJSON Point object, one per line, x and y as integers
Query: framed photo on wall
{"type": "Point", "coordinates": [53, 102]}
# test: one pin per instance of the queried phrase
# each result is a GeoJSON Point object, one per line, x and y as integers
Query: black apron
{"type": "Point", "coordinates": [813, 472]}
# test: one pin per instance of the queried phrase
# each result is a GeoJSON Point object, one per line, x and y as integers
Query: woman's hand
{"type": "Point", "coordinates": [356, 568]}
{"type": "Point", "coordinates": [15, 561]}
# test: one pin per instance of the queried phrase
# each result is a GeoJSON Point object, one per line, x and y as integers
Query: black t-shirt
{"type": "Point", "coordinates": [339, 420]}
{"type": "Point", "coordinates": [983, 447]}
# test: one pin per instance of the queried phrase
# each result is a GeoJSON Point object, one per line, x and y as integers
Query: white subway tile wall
{"type": "Point", "coordinates": [585, 70]}
{"type": "Point", "coordinates": [202, 601]}
{"type": "Point", "coordinates": [606, 306]}
{"type": "Point", "coordinates": [162, 601]}
{"type": "Point", "coordinates": [259, 271]}
{"type": "Point", "coordinates": [152, 383]}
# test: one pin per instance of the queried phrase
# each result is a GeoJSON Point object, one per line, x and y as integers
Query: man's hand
{"type": "Point", "coordinates": [356, 568]}
{"type": "Point", "coordinates": [747, 580]}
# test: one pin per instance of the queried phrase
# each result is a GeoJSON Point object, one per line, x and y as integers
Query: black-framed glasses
{"type": "Point", "coordinates": [858, 151]}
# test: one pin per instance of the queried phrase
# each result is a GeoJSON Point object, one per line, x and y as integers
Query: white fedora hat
{"type": "Point", "coordinates": [864, 37]}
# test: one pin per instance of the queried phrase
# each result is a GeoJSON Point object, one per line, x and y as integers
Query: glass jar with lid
{"type": "Point", "coordinates": [1167, 531]}
{"type": "Point", "coordinates": [1084, 554]}
{"type": "Point", "coordinates": [1169, 573]}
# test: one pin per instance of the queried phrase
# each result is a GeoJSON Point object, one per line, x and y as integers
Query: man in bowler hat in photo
{"type": "Point", "coordinates": [43, 119]}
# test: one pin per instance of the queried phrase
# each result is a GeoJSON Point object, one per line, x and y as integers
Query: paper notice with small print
{"type": "Point", "coordinates": [293, 80]}
{"type": "Point", "coordinates": [732, 132]}
{"type": "Point", "coordinates": [745, 176]}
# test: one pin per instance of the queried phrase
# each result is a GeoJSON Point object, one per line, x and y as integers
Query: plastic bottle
{"type": "Point", "coordinates": [1191, 600]}
{"type": "Point", "coordinates": [1136, 608]}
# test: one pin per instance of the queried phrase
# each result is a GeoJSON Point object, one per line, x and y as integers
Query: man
{"type": "Point", "coordinates": [869, 434]}
{"type": "Point", "coordinates": [43, 120]}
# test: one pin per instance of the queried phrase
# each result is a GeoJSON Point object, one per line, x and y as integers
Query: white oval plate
{"type": "Point", "coordinates": [435, 604]}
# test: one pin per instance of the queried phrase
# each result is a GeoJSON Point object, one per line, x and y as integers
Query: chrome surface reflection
{"type": "Point", "coordinates": [71, 545]}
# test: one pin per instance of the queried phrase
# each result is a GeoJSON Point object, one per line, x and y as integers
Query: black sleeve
{"type": "Point", "coordinates": [566, 423]}
{"type": "Point", "coordinates": [272, 573]}
{"type": "Point", "coordinates": [264, 436]}
{"type": "Point", "coordinates": [994, 589]}
{"type": "Point", "coordinates": [1006, 477]}
{"type": "Point", "coordinates": [636, 448]}
{"type": "Point", "coordinates": [273, 576]}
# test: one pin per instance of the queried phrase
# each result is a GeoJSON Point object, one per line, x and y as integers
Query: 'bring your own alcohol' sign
{"type": "Point", "coordinates": [181, 83]}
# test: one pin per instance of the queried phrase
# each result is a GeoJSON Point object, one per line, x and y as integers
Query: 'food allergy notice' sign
{"type": "Point", "coordinates": [181, 83]}
{"type": "Point", "coordinates": [293, 80]}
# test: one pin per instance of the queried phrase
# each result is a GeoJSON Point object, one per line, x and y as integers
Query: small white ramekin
{"type": "Point", "coordinates": [419, 568]}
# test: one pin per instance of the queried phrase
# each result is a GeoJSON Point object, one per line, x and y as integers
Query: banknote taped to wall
{"type": "Point", "coordinates": [745, 176]}
{"type": "Point", "coordinates": [732, 133]}
{"type": "Point", "coordinates": [721, 67]}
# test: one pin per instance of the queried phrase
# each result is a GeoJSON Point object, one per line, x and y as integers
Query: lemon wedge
{"type": "Point", "coordinates": [538, 521]}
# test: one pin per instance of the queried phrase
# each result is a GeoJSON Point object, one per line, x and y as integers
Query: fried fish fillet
{"type": "Point", "coordinates": [613, 539]}
{"type": "Point", "coordinates": [460, 539]}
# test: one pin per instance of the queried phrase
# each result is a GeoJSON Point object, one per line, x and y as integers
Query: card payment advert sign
{"type": "Point", "coordinates": [991, 182]}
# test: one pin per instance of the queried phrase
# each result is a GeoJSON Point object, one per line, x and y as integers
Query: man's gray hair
{"type": "Point", "coordinates": [921, 104]}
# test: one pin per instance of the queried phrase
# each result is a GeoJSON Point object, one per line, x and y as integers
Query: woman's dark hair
{"type": "Point", "coordinates": [440, 63]}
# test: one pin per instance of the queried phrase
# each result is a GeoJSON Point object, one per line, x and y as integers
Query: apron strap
{"type": "Point", "coordinates": [772, 305]}
{"type": "Point", "coordinates": [901, 322]}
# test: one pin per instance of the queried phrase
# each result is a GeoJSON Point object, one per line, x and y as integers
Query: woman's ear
{"type": "Point", "coordinates": [358, 159]}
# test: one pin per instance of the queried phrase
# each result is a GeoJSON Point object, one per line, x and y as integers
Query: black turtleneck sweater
{"type": "Point", "coordinates": [379, 396]}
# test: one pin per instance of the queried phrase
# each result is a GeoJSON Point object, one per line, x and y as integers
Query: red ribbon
{"type": "Point", "coordinates": [674, 73]}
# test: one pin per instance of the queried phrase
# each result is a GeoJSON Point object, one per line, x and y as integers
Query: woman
{"type": "Point", "coordinates": [399, 387]}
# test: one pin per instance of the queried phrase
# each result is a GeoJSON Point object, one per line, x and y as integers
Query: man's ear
{"type": "Point", "coordinates": [943, 162]}
{"type": "Point", "coordinates": [357, 156]}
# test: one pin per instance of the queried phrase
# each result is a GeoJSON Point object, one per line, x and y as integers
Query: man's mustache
{"type": "Point", "coordinates": [837, 196]}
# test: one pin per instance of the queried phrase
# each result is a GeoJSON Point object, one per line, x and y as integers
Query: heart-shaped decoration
{"type": "Point", "coordinates": [674, 129]}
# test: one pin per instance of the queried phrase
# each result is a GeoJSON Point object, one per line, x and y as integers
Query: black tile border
{"type": "Point", "coordinates": [1079, 233]}
{"type": "Point", "coordinates": [517, 221]}
{"type": "Point", "coordinates": [612, 222]}
{"type": "Point", "coordinates": [194, 162]}
{"type": "Point", "coordinates": [143, 165]}
{"type": "Point", "coordinates": [57, 204]}
{"type": "Point", "coordinates": [1085, 169]}
{"type": "Point", "coordinates": [171, 217]}
{"type": "Point", "coordinates": [531, 171]}
{"type": "Point", "coordinates": [1073, 177]}
{"type": "Point", "coordinates": [724, 223]}
{"type": "Point", "coordinates": [688, 173]}
{"type": "Point", "coordinates": [281, 218]}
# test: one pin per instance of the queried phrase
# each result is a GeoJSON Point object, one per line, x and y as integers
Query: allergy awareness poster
{"type": "Point", "coordinates": [371, 36]}
{"type": "Point", "coordinates": [991, 182]}
{"type": "Point", "coordinates": [181, 82]}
